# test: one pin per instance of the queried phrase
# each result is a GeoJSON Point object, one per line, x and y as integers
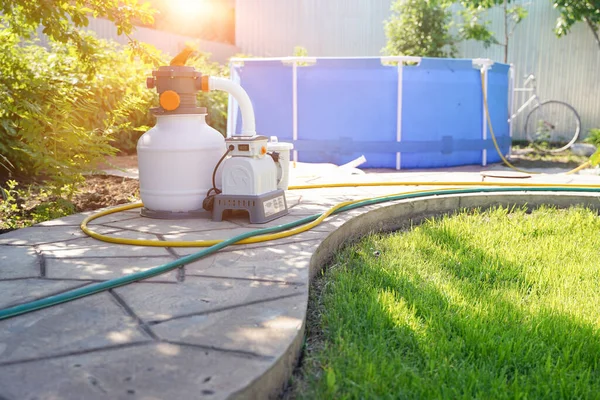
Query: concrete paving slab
{"type": "Point", "coordinates": [226, 326]}
{"type": "Point", "coordinates": [70, 220]}
{"type": "Point", "coordinates": [197, 296]}
{"type": "Point", "coordinates": [19, 262]}
{"type": "Point", "coordinates": [15, 292]}
{"type": "Point", "coordinates": [309, 236]}
{"type": "Point", "coordinates": [289, 263]}
{"type": "Point", "coordinates": [89, 247]}
{"type": "Point", "coordinates": [592, 179]}
{"type": "Point", "coordinates": [308, 209]}
{"type": "Point", "coordinates": [266, 328]}
{"type": "Point", "coordinates": [292, 217]}
{"type": "Point", "coordinates": [163, 227]}
{"type": "Point", "coordinates": [37, 235]}
{"type": "Point", "coordinates": [89, 323]}
{"type": "Point", "coordinates": [336, 221]}
{"type": "Point", "coordinates": [120, 216]}
{"type": "Point", "coordinates": [149, 371]}
{"type": "Point", "coordinates": [590, 171]}
{"type": "Point", "coordinates": [104, 268]}
{"type": "Point", "coordinates": [220, 234]}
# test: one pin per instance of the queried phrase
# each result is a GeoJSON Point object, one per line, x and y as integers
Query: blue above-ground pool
{"type": "Point", "coordinates": [334, 110]}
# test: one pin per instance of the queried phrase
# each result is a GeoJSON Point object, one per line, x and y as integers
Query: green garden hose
{"type": "Point", "coordinates": [114, 283]}
{"type": "Point", "coordinates": [272, 233]}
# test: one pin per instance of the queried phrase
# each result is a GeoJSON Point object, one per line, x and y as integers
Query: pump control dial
{"type": "Point", "coordinates": [169, 100]}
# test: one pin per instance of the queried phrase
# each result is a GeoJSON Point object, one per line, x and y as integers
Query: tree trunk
{"type": "Point", "coordinates": [594, 30]}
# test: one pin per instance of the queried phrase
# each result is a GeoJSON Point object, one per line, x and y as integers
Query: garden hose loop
{"type": "Point", "coordinates": [266, 234]}
{"type": "Point", "coordinates": [288, 229]}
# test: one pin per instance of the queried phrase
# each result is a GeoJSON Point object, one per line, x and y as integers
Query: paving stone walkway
{"type": "Point", "coordinates": [225, 326]}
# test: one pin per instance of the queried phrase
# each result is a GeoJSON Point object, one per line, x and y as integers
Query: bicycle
{"type": "Point", "coordinates": [549, 123]}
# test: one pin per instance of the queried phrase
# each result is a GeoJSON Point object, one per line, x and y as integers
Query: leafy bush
{"type": "Point", "coordinates": [11, 208]}
{"type": "Point", "coordinates": [22, 207]}
{"type": "Point", "coordinates": [56, 119]}
{"type": "Point", "coordinates": [62, 115]}
{"type": "Point", "coordinates": [419, 28]}
{"type": "Point", "coordinates": [593, 137]}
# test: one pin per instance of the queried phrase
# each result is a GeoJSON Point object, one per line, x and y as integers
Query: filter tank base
{"type": "Point", "coordinates": [146, 212]}
{"type": "Point", "coordinates": [262, 208]}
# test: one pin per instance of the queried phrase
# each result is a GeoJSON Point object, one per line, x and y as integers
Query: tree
{"type": "Point", "coordinates": [574, 11]}
{"type": "Point", "coordinates": [61, 19]}
{"type": "Point", "coordinates": [474, 28]}
{"type": "Point", "coordinates": [419, 28]}
{"type": "Point", "coordinates": [59, 101]}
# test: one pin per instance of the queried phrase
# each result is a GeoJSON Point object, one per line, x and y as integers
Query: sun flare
{"type": "Point", "coordinates": [190, 8]}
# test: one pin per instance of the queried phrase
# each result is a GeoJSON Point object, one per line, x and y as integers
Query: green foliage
{"type": "Point", "coordinates": [66, 107]}
{"type": "Point", "coordinates": [10, 209]}
{"type": "Point", "coordinates": [595, 158]}
{"type": "Point", "coordinates": [330, 380]}
{"type": "Point", "coordinates": [61, 19]}
{"type": "Point", "coordinates": [572, 12]}
{"type": "Point", "coordinates": [58, 118]}
{"type": "Point", "coordinates": [593, 137]}
{"type": "Point", "coordinates": [474, 25]}
{"type": "Point", "coordinates": [496, 304]}
{"type": "Point", "coordinates": [54, 209]}
{"type": "Point", "coordinates": [419, 28]}
{"type": "Point", "coordinates": [300, 51]}
{"type": "Point", "coordinates": [5, 163]}
{"type": "Point", "coordinates": [16, 213]}
{"type": "Point", "coordinates": [55, 112]}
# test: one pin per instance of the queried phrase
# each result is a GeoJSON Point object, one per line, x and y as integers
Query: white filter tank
{"type": "Point", "coordinates": [176, 160]}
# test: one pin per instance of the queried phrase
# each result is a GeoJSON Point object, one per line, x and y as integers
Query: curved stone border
{"type": "Point", "coordinates": [389, 217]}
{"type": "Point", "coordinates": [230, 325]}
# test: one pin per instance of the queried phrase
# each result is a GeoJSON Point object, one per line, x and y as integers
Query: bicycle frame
{"type": "Point", "coordinates": [534, 96]}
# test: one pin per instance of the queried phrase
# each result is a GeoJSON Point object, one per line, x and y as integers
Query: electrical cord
{"type": "Point", "coordinates": [209, 202]}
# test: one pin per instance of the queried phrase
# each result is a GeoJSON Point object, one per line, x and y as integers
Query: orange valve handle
{"type": "Point", "coordinates": [169, 100]}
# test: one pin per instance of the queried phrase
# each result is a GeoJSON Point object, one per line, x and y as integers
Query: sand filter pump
{"type": "Point", "coordinates": [188, 169]}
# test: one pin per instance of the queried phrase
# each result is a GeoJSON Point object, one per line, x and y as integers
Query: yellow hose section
{"type": "Point", "coordinates": [304, 228]}
{"type": "Point", "coordinates": [582, 166]}
{"type": "Point", "coordinates": [208, 243]}
{"type": "Point", "coordinates": [425, 183]}
{"type": "Point", "coordinates": [489, 122]}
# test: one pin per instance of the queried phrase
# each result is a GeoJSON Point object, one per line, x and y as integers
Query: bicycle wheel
{"type": "Point", "coordinates": [552, 126]}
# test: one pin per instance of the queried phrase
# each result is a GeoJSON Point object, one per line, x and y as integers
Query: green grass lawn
{"type": "Point", "coordinates": [488, 305]}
